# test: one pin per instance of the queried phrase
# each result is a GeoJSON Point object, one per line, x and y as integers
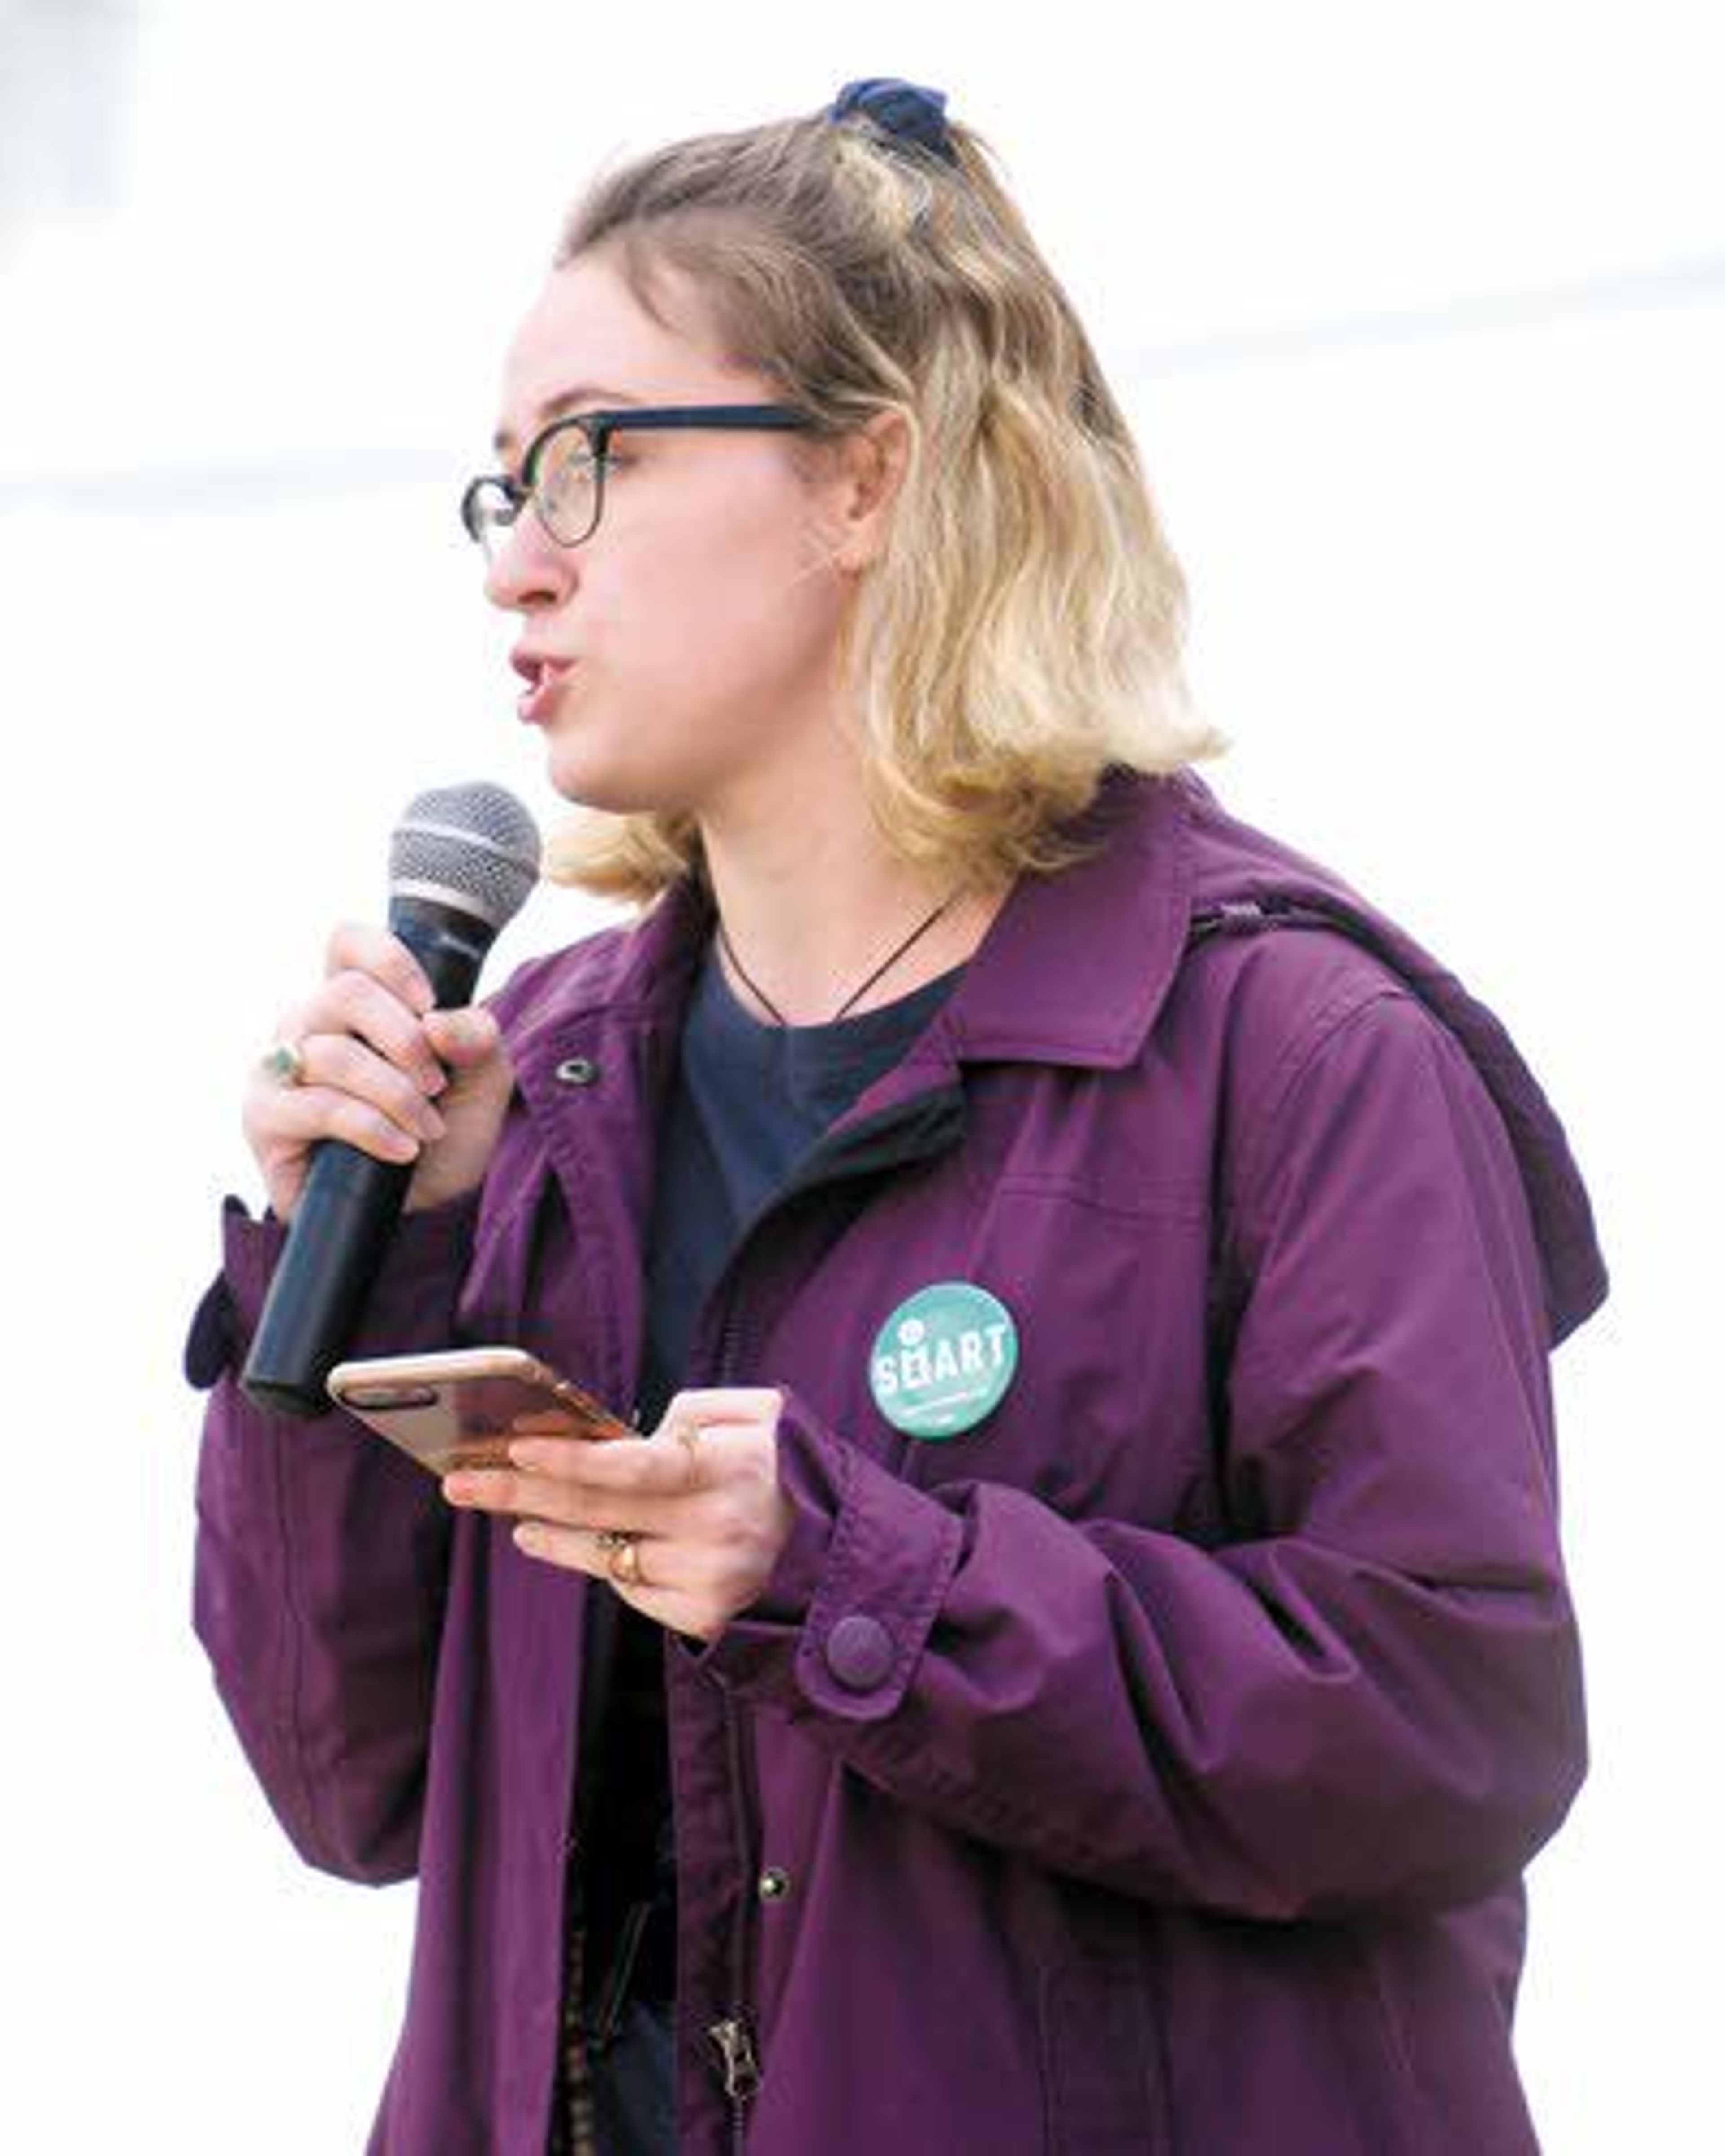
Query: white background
{"type": "Point", "coordinates": [1420, 315]}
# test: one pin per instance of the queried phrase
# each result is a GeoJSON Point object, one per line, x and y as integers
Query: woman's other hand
{"type": "Point", "coordinates": [702, 1495]}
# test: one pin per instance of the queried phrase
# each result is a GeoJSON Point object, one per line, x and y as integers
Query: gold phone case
{"type": "Point", "coordinates": [460, 1406]}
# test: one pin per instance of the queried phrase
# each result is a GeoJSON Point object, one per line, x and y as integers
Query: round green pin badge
{"type": "Point", "coordinates": [943, 1359]}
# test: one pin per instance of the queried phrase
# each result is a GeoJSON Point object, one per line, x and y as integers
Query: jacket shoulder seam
{"type": "Point", "coordinates": [1340, 1010]}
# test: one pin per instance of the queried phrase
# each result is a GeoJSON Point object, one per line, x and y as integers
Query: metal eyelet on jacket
{"type": "Point", "coordinates": [774, 1884]}
{"type": "Point", "coordinates": [577, 1070]}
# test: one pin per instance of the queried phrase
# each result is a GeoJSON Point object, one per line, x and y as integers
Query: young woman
{"type": "Point", "coordinates": [1082, 1658]}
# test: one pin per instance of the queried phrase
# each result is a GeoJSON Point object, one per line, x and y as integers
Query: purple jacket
{"type": "Point", "coordinates": [1150, 1767]}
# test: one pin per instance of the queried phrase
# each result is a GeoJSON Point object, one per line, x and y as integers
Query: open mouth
{"type": "Point", "coordinates": [543, 689]}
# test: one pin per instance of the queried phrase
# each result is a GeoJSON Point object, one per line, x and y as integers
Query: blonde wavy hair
{"type": "Point", "coordinates": [1022, 630]}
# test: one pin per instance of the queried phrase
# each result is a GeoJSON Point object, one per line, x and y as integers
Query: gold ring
{"type": "Point", "coordinates": [623, 1561]}
{"type": "Point", "coordinates": [285, 1063]}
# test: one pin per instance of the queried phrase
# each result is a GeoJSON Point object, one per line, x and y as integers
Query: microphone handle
{"type": "Point", "coordinates": [349, 1205]}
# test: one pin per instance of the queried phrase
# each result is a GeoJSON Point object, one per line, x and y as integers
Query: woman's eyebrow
{"type": "Point", "coordinates": [564, 401]}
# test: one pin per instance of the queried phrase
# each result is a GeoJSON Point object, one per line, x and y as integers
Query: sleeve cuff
{"type": "Point", "coordinates": [427, 1248]}
{"type": "Point", "coordinates": [842, 1621]}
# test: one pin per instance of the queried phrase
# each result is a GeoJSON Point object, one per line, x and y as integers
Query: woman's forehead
{"type": "Point", "coordinates": [586, 331]}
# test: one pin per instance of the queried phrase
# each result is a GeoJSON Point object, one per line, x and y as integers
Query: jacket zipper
{"type": "Point", "coordinates": [1245, 917]}
{"type": "Point", "coordinates": [742, 2072]}
{"type": "Point", "coordinates": [1231, 916]}
{"type": "Point", "coordinates": [732, 2034]}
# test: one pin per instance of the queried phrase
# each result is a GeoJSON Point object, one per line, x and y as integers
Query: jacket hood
{"type": "Point", "coordinates": [1243, 879]}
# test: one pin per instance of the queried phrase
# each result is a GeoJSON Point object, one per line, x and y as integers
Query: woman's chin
{"type": "Point", "coordinates": [592, 780]}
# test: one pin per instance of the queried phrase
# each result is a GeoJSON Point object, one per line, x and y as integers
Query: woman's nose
{"type": "Point", "coordinates": [526, 567]}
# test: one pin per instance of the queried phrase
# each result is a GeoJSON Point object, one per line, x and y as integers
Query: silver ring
{"type": "Point", "coordinates": [284, 1065]}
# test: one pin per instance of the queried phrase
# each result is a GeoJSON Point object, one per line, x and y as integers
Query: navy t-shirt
{"type": "Point", "coordinates": [751, 1099]}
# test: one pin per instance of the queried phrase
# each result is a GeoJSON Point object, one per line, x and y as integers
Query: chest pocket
{"type": "Point", "coordinates": [1107, 1411]}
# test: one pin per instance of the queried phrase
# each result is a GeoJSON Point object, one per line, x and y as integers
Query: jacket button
{"type": "Point", "coordinates": [775, 1884]}
{"type": "Point", "coordinates": [578, 1070]}
{"type": "Point", "coordinates": [858, 1652]}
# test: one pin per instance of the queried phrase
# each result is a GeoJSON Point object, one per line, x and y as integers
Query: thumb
{"type": "Point", "coordinates": [465, 1038]}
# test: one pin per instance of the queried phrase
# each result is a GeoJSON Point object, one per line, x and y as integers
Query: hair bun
{"type": "Point", "coordinates": [905, 110]}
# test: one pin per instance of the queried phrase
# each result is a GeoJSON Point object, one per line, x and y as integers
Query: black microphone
{"type": "Point", "coordinates": [462, 862]}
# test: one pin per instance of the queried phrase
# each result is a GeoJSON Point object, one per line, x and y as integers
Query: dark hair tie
{"type": "Point", "coordinates": [905, 110]}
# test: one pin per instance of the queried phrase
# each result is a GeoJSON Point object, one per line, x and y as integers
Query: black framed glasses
{"type": "Point", "coordinates": [564, 471]}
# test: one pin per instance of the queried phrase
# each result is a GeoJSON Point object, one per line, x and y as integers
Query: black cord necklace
{"type": "Point", "coordinates": [778, 1014]}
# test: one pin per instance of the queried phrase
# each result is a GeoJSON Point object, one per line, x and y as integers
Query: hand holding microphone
{"type": "Point", "coordinates": [350, 1124]}
{"type": "Point", "coordinates": [375, 1063]}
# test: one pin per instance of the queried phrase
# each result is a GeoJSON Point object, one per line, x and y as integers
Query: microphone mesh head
{"type": "Point", "coordinates": [474, 847]}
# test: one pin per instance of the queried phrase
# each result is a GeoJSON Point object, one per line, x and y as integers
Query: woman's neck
{"type": "Point", "coordinates": [812, 904]}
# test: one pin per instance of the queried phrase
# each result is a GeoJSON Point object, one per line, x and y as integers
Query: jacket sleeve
{"type": "Point", "coordinates": [1370, 1698]}
{"type": "Point", "coordinates": [320, 1560]}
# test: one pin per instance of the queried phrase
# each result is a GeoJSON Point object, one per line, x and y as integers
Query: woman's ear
{"type": "Point", "coordinates": [863, 487]}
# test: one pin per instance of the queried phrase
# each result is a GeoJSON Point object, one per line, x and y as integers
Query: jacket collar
{"type": "Point", "coordinates": [1073, 969]}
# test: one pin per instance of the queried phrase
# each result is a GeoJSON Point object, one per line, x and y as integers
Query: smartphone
{"type": "Point", "coordinates": [460, 1407]}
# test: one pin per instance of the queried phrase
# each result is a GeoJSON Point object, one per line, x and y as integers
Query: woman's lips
{"type": "Point", "coordinates": [535, 706]}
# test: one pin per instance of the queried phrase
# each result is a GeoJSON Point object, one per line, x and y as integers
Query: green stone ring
{"type": "Point", "coordinates": [284, 1064]}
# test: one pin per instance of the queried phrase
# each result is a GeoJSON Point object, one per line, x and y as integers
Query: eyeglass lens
{"type": "Point", "coordinates": [566, 496]}
{"type": "Point", "coordinates": [566, 487]}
